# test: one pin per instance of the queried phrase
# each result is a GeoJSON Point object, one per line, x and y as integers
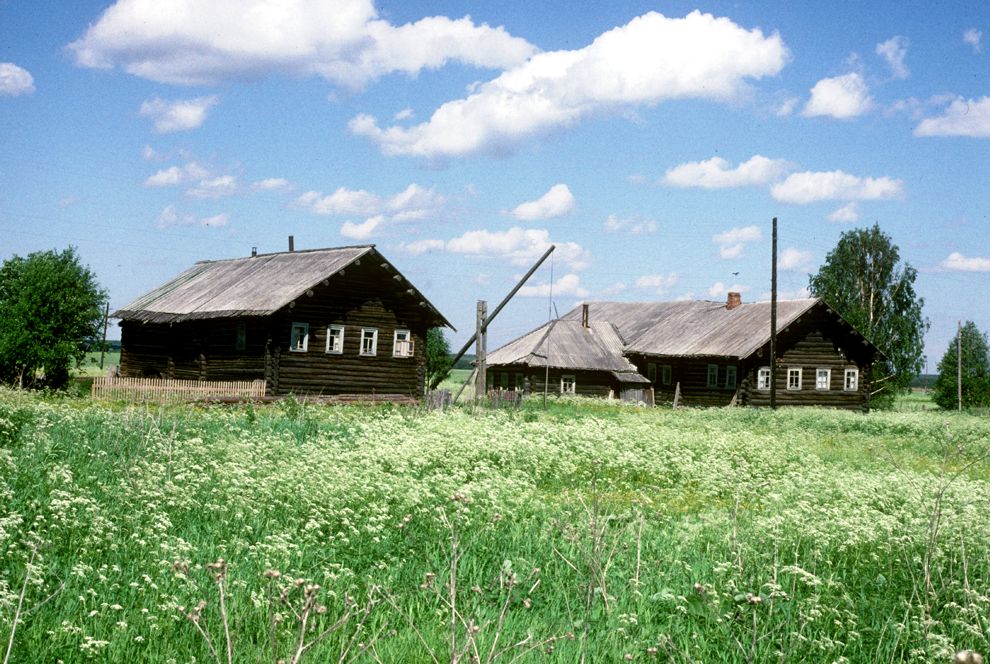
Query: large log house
{"type": "Point", "coordinates": [711, 353]}
{"type": "Point", "coordinates": [324, 321]}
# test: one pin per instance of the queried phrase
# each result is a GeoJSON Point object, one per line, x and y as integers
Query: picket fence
{"type": "Point", "coordinates": [167, 390]}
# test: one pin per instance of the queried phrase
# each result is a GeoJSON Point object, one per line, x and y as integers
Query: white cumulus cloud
{"type": "Point", "coordinates": [839, 97]}
{"type": "Point", "coordinates": [557, 202]}
{"type": "Point", "coordinates": [959, 263]}
{"type": "Point", "coordinates": [811, 186]}
{"type": "Point", "coordinates": [719, 289]}
{"type": "Point", "coordinates": [568, 285]}
{"type": "Point", "coordinates": [199, 43]}
{"type": "Point", "coordinates": [715, 173]}
{"type": "Point", "coordinates": [848, 213]}
{"type": "Point", "coordinates": [732, 243]}
{"type": "Point", "coordinates": [14, 80]}
{"type": "Point", "coordinates": [175, 175]}
{"type": "Point", "coordinates": [894, 50]}
{"type": "Point", "coordinates": [964, 117]}
{"type": "Point", "coordinates": [657, 283]}
{"type": "Point", "coordinates": [649, 60]}
{"type": "Point", "coordinates": [794, 260]}
{"type": "Point", "coordinates": [414, 203]}
{"type": "Point", "coordinates": [633, 226]}
{"type": "Point", "coordinates": [974, 38]}
{"type": "Point", "coordinates": [178, 114]}
{"type": "Point", "coordinates": [272, 184]}
{"type": "Point", "coordinates": [519, 246]}
{"type": "Point", "coordinates": [170, 216]}
{"type": "Point", "coordinates": [218, 187]}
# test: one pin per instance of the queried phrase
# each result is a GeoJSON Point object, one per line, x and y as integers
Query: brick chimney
{"type": "Point", "coordinates": [733, 300]}
{"type": "Point", "coordinates": [584, 315]}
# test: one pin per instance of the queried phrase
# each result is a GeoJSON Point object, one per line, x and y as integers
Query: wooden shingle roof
{"type": "Point", "coordinates": [253, 286]}
{"type": "Point", "coordinates": [694, 328]}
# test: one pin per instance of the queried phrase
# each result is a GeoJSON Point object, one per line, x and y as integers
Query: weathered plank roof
{"type": "Point", "coordinates": [694, 328]}
{"type": "Point", "coordinates": [565, 344]}
{"type": "Point", "coordinates": [253, 286]}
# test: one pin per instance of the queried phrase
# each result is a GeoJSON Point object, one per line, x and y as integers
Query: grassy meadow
{"type": "Point", "coordinates": [584, 532]}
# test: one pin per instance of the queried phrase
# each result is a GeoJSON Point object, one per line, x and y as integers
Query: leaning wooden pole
{"type": "Point", "coordinates": [959, 366]}
{"type": "Point", "coordinates": [773, 316]}
{"type": "Point", "coordinates": [103, 346]}
{"type": "Point", "coordinates": [491, 317]}
{"type": "Point", "coordinates": [481, 351]}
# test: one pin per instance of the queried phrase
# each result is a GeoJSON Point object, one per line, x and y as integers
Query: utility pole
{"type": "Point", "coordinates": [773, 316]}
{"type": "Point", "coordinates": [103, 346]}
{"type": "Point", "coordinates": [959, 365]}
{"type": "Point", "coordinates": [481, 350]}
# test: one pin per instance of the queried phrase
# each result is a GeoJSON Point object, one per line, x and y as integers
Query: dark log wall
{"type": "Point", "coordinates": [692, 374]}
{"type": "Point", "coordinates": [365, 295]}
{"type": "Point", "coordinates": [586, 383]}
{"type": "Point", "coordinates": [816, 341]}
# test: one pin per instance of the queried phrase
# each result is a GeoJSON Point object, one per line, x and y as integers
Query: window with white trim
{"type": "Point", "coordinates": [851, 382]}
{"type": "Point", "coordinates": [763, 378]}
{"type": "Point", "coordinates": [402, 344]}
{"type": "Point", "coordinates": [823, 379]}
{"type": "Point", "coordinates": [651, 372]}
{"type": "Point", "coordinates": [335, 339]}
{"type": "Point", "coordinates": [794, 378]}
{"type": "Point", "coordinates": [369, 341]}
{"type": "Point", "coordinates": [567, 384]}
{"type": "Point", "coordinates": [520, 382]}
{"type": "Point", "coordinates": [666, 374]}
{"type": "Point", "coordinates": [712, 375]}
{"type": "Point", "coordinates": [299, 339]}
{"type": "Point", "coordinates": [730, 377]}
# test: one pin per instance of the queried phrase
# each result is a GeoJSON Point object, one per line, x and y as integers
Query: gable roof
{"type": "Point", "coordinates": [694, 328]}
{"type": "Point", "coordinates": [253, 286]}
{"type": "Point", "coordinates": [566, 344]}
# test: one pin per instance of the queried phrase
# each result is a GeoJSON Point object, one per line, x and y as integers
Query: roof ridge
{"type": "Point", "coordinates": [280, 253]}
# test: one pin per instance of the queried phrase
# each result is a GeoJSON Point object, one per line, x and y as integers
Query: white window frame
{"type": "Point", "coordinates": [651, 372]}
{"type": "Point", "coordinates": [854, 386]}
{"type": "Point", "coordinates": [520, 382]}
{"type": "Point", "coordinates": [763, 378]}
{"type": "Point", "coordinates": [338, 348]}
{"type": "Point", "coordinates": [712, 376]}
{"type": "Point", "coordinates": [374, 342]}
{"type": "Point", "coordinates": [666, 374]}
{"type": "Point", "coordinates": [403, 347]}
{"type": "Point", "coordinates": [731, 371]}
{"type": "Point", "coordinates": [819, 372]}
{"type": "Point", "coordinates": [568, 384]}
{"type": "Point", "coordinates": [297, 331]}
{"type": "Point", "coordinates": [799, 371]}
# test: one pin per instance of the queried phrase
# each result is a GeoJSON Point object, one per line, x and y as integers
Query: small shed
{"type": "Point", "coordinates": [329, 321]}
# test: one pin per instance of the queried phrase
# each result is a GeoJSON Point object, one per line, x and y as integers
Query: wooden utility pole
{"type": "Point", "coordinates": [481, 350]}
{"type": "Point", "coordinates": [959, 365]}
{"type": "Point", "coordinates": [103, 346]}
{"type": "Point", "coordinates": [773, 316]}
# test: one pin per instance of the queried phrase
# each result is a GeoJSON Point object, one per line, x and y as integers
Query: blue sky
{"type": "Point", "coordinates": [652, 142]}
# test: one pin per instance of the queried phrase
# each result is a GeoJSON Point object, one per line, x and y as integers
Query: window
{"type": "Point", "coordinates": [665, 374]}
{"type": "Point", "coordinates": [651, 372]}
{"type": "Point", "coordinates": [335, 339]}
{"type": "Point", "coordinates": [567, 384]}
{"type": "Point", "coordinates": [402, 345]}
{"type": "Point", "coordinates": [763, 378]}
{"type": "Point", "coordinates": [504, 380]}
{"type": "Point", "coordinates": [823, 379]}
{"type": "Point", "coordinates": [299, 340]}
{"type": "Point", "coordinates": [794, 378]}
{"type": "Point", "coordinates": [852, 380]}
{"type": "Point", "coordinates": [240, 339]}
{"type": "Point", "coordinates": [369, 341]}
{"type": "Point", "coordinates": [730, 377]}
{"type": "Point", "coordinates": [712, 375]}
{"type": "Point", "coordinates": [520, 382]}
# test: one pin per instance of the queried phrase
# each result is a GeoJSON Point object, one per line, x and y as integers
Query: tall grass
{"type": "Point", "coordinates": [584, 532]}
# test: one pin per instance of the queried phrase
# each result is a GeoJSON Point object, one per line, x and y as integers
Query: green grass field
{"type": "Point", "coordinates": [607, 532]}
{"type": "Point", "coordinates": [90, 366]}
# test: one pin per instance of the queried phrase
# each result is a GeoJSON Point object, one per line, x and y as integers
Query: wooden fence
{"type": "Point", "coordinates": [160, 390]}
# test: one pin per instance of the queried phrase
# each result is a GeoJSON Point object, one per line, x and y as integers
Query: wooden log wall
{"type": "Point", "coordinates": [586, 383]}
{"type": "Point", "coordinates": [692, 374]}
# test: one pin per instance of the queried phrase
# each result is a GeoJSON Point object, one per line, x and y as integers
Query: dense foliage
{"type": "Point", "coordinates": [972, 349]}
{"type": "Point", "coordinates": [864, 279]}
{"type": "Point", "coordinates": [438, 363]}
{"type": "Point", "coordinates": [720, 535]}
{"type": "Point", "coordinates": [51, 310]}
